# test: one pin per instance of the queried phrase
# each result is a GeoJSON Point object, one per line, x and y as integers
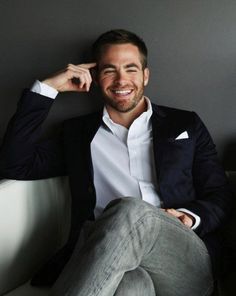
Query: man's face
{"type": "Point", "coordinates": [121, 77]}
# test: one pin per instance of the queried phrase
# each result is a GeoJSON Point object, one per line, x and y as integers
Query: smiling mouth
{"type": "Point", "coordinates": [122, 92]}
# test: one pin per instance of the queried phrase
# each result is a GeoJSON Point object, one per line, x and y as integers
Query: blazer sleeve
{"type": "Point", "coordinates": [213, 194]}
{"type": "Point", "coordinates": [22, 155]}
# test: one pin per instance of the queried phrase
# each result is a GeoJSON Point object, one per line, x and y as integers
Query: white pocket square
{"type": "Point", "coordinates": [183, 135]}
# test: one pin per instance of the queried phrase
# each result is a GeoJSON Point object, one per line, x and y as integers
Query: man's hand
{"type": "Point", "coordinates": [73, 78]}
{"type": "Point", "coordinates": [185, 218]}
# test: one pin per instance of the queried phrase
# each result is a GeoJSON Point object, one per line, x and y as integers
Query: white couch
{"type": "Point", "coordinates": [34, 222]}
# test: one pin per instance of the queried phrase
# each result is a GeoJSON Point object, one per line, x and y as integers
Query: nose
{"type": "Point", "coordinates": [121, 78]}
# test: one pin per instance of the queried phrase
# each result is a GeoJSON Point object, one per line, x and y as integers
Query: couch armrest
{"type": "Point", "coordinates": [34, 223]}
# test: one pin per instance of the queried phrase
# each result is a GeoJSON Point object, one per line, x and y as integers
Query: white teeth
{"type": "Point", "coordinates": [122, 92]}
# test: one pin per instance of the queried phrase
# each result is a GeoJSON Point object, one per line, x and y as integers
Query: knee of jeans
{"type": "Point", "coordinates": [136, 282]}
{"type": "Point", "coordinates": [139, 275]}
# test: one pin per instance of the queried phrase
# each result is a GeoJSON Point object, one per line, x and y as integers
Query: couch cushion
{"type": "Point", "coordinates": [28, 290]}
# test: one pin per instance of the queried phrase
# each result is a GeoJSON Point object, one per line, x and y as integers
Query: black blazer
{"type": "Point", "coordinates": [188, 172]}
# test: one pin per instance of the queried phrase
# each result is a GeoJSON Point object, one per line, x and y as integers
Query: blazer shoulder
{"type": "Point", "coordinates": [170, 111]}
{"type": "Point", "coordinates": [176, 115]}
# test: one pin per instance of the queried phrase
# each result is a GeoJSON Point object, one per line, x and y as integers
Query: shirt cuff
{"type": "Point", "coordinates": [44, 89]}
{"type": "Point", "coordinates": [196, 217]}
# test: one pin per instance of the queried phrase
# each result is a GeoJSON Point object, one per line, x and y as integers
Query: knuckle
{"type": "Point", "coordinates": [69, 66]}
{"type": "Point", "coordinates": [69, 73]}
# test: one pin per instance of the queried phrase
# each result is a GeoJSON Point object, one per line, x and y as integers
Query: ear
{"type": "Point", "coordinates": [146, 76]}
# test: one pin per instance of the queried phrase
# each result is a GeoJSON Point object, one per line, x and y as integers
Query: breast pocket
{"type": "Point", "coordinates": [177, 153]}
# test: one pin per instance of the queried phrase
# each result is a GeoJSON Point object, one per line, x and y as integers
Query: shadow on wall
{"type": "Point", "coordinates": [229, 156]}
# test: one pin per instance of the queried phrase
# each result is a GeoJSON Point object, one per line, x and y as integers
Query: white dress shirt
{"type": "Point", "coordinates": [123, 159]}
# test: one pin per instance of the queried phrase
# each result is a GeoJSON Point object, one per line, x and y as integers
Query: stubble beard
{"type": "Point", "coordinates": [124, 106]}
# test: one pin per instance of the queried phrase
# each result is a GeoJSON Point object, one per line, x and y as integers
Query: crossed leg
{"type": "Point", "coordinates": [133, 237]}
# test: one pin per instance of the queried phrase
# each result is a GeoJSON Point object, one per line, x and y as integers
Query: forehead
{"type": "Point", "coordinates": [120, 54]}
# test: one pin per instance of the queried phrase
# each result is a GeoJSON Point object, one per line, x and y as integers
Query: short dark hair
{"type": "Point", "coordinates": [119, 36]}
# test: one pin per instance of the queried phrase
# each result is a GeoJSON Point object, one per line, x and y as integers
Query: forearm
{"type": "Point", "coordinates": [21, 155]}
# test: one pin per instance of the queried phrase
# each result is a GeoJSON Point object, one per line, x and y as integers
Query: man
{"type": "Point", "coordinates": [149, 198]}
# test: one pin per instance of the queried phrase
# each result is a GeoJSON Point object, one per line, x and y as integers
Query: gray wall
{"type": "Point", "coordinates": [192, 54]}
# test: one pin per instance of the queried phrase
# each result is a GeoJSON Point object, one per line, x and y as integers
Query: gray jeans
{"type": "Point", "coordinates": [136, 249]}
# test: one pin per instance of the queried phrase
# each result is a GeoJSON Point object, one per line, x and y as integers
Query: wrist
{"type": "Point", "coordinates": [49, 83]}
{"type": "Point", "coordinates": [197, 219]}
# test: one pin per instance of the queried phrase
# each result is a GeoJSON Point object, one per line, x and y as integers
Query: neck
{"type": "Point", "coordinates": [126, 118]}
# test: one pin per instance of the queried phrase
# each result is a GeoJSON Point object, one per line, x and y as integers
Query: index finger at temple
{"type": "Point", "coordinates": [88, 65]}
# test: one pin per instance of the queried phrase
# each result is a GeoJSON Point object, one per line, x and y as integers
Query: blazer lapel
{"type": "Point", "coordinates": [160, 133]}
{"type": "Point", "coordinates": [92, 125]}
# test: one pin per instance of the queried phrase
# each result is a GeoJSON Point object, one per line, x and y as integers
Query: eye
{"type": "Point", "coordinates": [109, 71]}
{"type": "Point", "coordinates": [132, 70]}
